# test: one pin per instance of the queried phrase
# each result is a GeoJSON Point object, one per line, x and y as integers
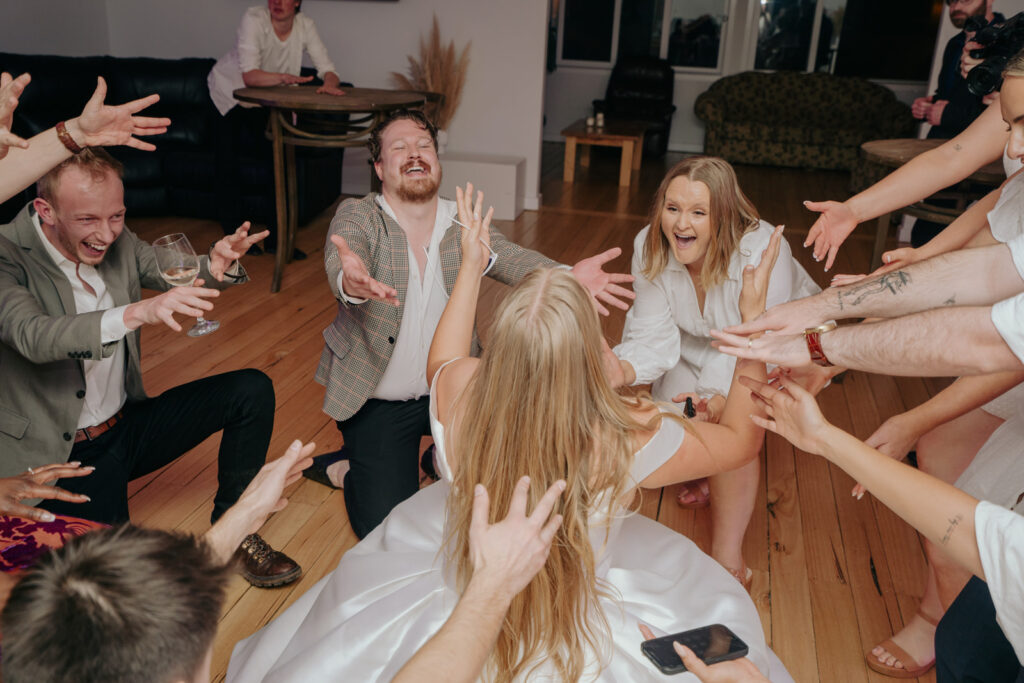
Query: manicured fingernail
{"type": "Point", "coordinates": [75, 463]}
{"type": "Point", "coordinates": [88, 499]}
{"type": "Point", "coordinates": [478, 490]}
{"type": "Point", "coordinates": [562, 485]}
{"type": "Point", "coordinates": [89, 467]}
{"type": "Point", "coordinates": [860, 495]}
{"type": "Point", "coordinates": [47, 517]}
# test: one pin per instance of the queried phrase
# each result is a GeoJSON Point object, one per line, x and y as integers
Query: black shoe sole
{"type": "Point", "coordinates": [273, 581]}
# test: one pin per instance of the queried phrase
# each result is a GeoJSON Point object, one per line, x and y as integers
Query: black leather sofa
{"type": "Point", "coordinates": [183, 177]}
{"type": "Point", "coordinates": [640, 89]}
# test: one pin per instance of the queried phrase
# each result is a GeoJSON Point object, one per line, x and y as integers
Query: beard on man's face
{"type": "Point", "coordinates": [420, 189]}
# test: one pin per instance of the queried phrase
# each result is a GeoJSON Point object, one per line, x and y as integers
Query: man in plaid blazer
{"type": "Point", "coordinates": [391, 261]}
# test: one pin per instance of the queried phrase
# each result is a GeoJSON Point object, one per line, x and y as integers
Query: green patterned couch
{"type": "Point", "coordinates": [807, 120]}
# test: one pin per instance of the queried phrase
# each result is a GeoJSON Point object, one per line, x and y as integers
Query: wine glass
{"type": "Point", "coordinates": [179, 266]}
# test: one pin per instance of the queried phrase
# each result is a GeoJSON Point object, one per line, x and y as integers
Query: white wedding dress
{"type": "Point", "coordinates": [393, 591]}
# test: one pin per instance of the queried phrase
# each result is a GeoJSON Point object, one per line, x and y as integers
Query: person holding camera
{"type": "Point", "coordinates": [953, 106]}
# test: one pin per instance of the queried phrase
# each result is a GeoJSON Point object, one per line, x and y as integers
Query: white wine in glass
{"type": "Point", "coordinates": [179, 266]}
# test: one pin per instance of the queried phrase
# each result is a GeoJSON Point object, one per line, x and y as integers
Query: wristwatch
{"type": "Point", "coordinates": [812, 335]}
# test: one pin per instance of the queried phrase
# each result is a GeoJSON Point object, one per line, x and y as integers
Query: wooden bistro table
{"type": "Point", "coordinates": [629, 135]}
{"type": "Point", "coordinates": [366, 108]}
{"type": "Point", "coordinates": [896, 152]}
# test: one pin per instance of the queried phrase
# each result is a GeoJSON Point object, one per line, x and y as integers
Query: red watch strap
{"type": "Point", "coordinates": [814, 348]}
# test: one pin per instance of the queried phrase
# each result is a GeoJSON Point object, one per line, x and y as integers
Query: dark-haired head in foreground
{"type": "Point", "coordinates": [116, 605]}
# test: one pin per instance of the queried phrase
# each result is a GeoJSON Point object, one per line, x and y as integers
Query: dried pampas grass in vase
{"type": "Point", "coordinates": [437, 70]}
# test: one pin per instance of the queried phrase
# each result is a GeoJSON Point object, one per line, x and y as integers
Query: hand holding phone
{"type": "Point", "coordinates": [688, 409]}
{"type": "Point", "coordinates": [712, 644]}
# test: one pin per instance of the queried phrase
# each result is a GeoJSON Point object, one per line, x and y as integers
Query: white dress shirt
{"type": "Point", "coordinates": [667, 339]}
{"type": "Point", "coordinates": [1000, 535]}
{"type": "Point", "coordinates": [104, 378]}
{"type": "Point", "coordinates": [258, 47]}
{"type": "Point", "coordinates": [405, 378]}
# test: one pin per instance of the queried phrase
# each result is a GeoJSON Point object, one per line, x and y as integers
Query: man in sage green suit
{"type": "Point", "coordinates": [71, 307]}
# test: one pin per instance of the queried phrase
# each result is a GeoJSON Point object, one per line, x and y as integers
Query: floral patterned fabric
{"type": "Point", "coordinates": [23, 540]}
{"type": "Point", "coordinates": [798, 119]}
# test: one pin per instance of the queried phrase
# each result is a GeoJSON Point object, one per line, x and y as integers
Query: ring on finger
{"type": "Point", "coordinates": [750, 343]}
{"type": "Point", "coordinates": [31, 471]}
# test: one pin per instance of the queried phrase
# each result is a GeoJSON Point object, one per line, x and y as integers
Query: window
{"type": "Point", "coordinates": [587, 30]}
{"type": "Point", "coordinates": [784, 32]}
{"type": "Point", "coordinates": [695, 34]}
{"type": "Point", "coordinates": [686, 32]}
{"type": "Point", "coordinates": [883, 39]}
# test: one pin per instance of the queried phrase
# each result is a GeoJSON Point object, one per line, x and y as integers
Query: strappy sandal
{"type": "Point", "coordinates": [910, 668]}
{"type": "Point", "coordinates": [694, 490]}
{"type": "Point", "coordinates": [745, 576]}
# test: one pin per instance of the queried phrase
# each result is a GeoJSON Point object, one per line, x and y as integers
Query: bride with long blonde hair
{"type": "Point", "coordinates": [541, 401]}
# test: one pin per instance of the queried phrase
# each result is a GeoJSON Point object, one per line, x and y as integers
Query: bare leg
{"type": "Point", "coordinates": [732, 503]}
{"type": "Point", "coordinates": [945, 452]}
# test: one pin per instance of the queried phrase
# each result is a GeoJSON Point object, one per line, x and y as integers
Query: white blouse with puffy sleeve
{"type": "Point", "coordinates": [258, 47]}
{"type": "Point", "coordinates": [667, 339]}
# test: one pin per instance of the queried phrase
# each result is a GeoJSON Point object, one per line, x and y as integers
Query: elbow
{"type": "Point", "coordinates": [250, 79]}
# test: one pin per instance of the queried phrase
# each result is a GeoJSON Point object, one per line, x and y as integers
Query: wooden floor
{"type": "Point", "coordinates": [832, 575]}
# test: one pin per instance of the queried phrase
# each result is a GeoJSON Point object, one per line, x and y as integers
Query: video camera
{"type": "Point", "coordinates": [1000, 41]}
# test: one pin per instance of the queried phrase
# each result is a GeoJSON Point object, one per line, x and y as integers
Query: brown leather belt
{"type": "Point", "coordinates": [94, 432]}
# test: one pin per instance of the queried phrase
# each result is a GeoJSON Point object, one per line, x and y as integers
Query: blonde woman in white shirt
{"type": "Point", "coordinates": [688, 264]}
{"type": "Point", "coordinates": [268, 52]}
{"type": "Point", "coordinates": [271, 41]}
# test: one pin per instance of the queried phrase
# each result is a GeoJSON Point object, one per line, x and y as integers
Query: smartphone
{"type": "Point", "coordinates": [713, 644]}
{"type": "Point", "coordinates": [688, 409]}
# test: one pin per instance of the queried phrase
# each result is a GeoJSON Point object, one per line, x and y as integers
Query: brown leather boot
{"type": "Point", "coordinates": [263, 566]}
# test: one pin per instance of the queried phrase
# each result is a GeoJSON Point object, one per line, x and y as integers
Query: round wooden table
{"type": "Point", "coordinates": [359, 110]}
{"type": "Point", "coordinates": [896, 152]}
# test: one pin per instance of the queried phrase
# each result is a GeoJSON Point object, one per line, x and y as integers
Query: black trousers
{"type": "Point", "coordinates": [158, 430]}
{"type": "Point", "coordinates": [383, 444]}
{"type": "Point", "coordinates": [969, 645]}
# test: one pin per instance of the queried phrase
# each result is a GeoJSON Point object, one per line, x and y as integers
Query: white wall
{"type": "Point", "coordinates": [53, 27]}
{"type": "Point", "coordinates": [502, 102]}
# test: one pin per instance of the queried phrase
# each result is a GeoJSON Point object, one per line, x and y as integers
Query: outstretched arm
{"type": "Point", "coordinates": [962, 232]}
{"type": "Point", "coordinates": [897, 435]}
{"type": "Point", "coordinates": [921, 177]}
{"type": "Point", "coordinates": [10, 91]}
{"type": "Point", "coordinates": [938, 343]}
{"type": "Point", "coordinates": [968, 277]}
{"type": "Point", "coordinates": [34, 484]}
{"type": "Point", "coordinates": [604, 287]}
{"type": "Point", "coordinates": [943, 513]}
{"type": "Point", "coordinates": [99, 125]}
{"type": "Point", "coordinates": [454, 335]}
{"type": "Point", "coordinates": [506, 556]}
{"type": "Point", "coordinates": [263, 496]}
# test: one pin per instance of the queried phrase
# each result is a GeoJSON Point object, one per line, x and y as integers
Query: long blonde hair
{"type": "Point", "coordinates": [540, 404]}
{"type": "Point", "coordinates": [732, 215]}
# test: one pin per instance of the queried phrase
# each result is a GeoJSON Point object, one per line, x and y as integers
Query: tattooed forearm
{"type": "Point", "coordinates": [953, 524]}
{"type": "Point", "coordinates": [857, 293]}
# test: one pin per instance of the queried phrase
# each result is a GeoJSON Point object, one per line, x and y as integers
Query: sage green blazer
{"type": "Point", "coordinates": [43, 341]}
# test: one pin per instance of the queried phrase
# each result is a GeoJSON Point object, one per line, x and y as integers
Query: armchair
{"type": "Point", "coordinates": [640, 89]}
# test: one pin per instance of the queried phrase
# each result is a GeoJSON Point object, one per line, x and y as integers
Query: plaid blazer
{"type": "Point", "coordinates": [358, 344]}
